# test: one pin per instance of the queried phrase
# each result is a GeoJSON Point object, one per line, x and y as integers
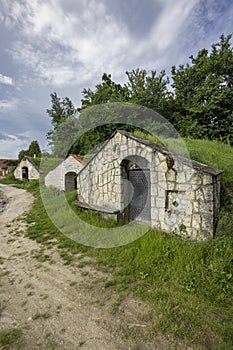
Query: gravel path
{"type": "Point", "coordinates": [61, 306]}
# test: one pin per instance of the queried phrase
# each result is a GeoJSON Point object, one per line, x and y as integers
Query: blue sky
{"type": "Point", "coordinates": [66, 45]}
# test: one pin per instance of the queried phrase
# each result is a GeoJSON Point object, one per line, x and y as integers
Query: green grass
{"type": "Point", "coordinates": [43, 316]}
{"type": "Point", "coordinates": [179, 278]}
{"type": "Point", "coordinates": [220, 156]}
{"type": "Point", "coordinates": [9, 179]}
{"type": "Point", "coordinates": [215, 154]}
{"type": "Point", "coordinates": [212, 153]}
{"type": "Point", "coordinates": [189, 285]}
{"type": "Point", "coordinates": [11, 339]}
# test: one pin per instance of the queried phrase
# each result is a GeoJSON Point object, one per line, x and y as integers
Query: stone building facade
{"type": "Point", "coordinates": [64, 176]}
{"type": "Point", "coordinates": [27, 170]}
{"type": "Point", "coordinates": [143, 181]}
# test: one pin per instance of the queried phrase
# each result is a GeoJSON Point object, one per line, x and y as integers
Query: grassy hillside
{"type": "Point", "coordinates": [219, 156]}
{"type": "Point", "coordinates": [189, 285]}
{"type": "Point", "coordinates": [212, 153]}
{"type": "Point", "coordinates": [215, 154]}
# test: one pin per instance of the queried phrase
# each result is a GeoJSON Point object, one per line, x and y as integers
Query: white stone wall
{"type": "Point", "coordinates": [100, 183]}
{"type": "Point", "coordinates": [184, 199]}
{"type": "Point", "coordinates": [56, 177]}
{"type": "Point", "coordinates": [189, 205]}
{"type": "Point", "coordinates": [4, 171]}
{"type": "Point", "coordinates": [33, 173]}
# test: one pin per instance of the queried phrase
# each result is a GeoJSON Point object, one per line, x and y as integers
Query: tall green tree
{"type": "Point", "coordinates": [32, 151]}
{"type": "Point", "coordinates": [149, 90]}
{"type": "Point", "coordinates": [106, 91]}
{"type": "Point", "coordinates": [141, 88]}
{"type": "Point", "coordinates": [62, 111]}
{"type": "Point", "coordinates": [204, 93]}
{"type": "Point", "coordinates": [22, 153]}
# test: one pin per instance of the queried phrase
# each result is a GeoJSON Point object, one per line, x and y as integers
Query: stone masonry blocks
{"type": "Point", "coordinates": [183, 198]}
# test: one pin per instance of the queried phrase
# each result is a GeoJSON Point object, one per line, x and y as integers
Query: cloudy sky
{"type": "Point", "coordinates": [66, 45]}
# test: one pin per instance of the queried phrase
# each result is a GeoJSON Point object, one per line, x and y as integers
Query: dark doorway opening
{"type": "Point", "coordinates": [70, 181]}
{"type": "Point", "coordinates": [136, 189]}
{"type": "Point", "coordinates": [25, 173]}
{"type": "Point", "coordinates": [139, 206]}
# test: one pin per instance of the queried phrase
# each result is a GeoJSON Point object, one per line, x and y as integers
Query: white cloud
{"type": "Point", "coordinates": [5, 136]}
{"type": "Point", "coordinates": [6, 80]}
{"type": "Point", "coordinates": [11, 145]}
{"type": "Point", "coordinates": [172, 19]}
{"type": "Point", "coordinates": [68, 44]}
{"type": "Point", "coordinates": [65, 44]}
{"type": "Point", "coordinates": [72, 48]}
{"type": "Point", "coordinates": [9, 104]}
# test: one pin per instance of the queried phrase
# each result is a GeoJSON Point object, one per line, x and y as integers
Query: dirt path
{"type": "Point", "coordinates": [58, 306]}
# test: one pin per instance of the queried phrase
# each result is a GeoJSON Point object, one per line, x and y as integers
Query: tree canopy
{"type": "Point", "coordinates": [32, 151]}
{"type": "Point", "coordinates": [149, 90]}
{"type": "Point", "coordinates": [199, 101]}
{"type": "Point", "coordinates": [203, 93]}
{"type": "Point", "coordinates": [62, 109]}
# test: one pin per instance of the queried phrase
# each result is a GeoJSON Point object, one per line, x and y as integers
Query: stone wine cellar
{"type": "Point", "coordinates": [141, 181]}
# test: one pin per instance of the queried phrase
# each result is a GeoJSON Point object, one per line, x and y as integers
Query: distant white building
{"type": "Point", "coordinates": [4, 169]}
{"type": "Point", "coordinates": [64, 176]}
{"type": "Point", "coordinates": [27, 170]}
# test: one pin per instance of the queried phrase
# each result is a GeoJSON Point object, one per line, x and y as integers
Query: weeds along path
{"type": "Point", "coordinates": [45, 304]}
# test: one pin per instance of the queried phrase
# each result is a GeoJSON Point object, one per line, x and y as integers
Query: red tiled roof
{"type": "Point", "coordinates": [3, 163]}
{"type": "Point", "coordinates": [78, 159]}
{"type": "Point", "coordinates": [30, 161]}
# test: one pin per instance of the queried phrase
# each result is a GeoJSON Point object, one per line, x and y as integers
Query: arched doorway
{"type": "Point", "coordinates": [136, 189]}
{"type": "Point", "coordinates": [70, 181]}
{"type": "Point", "coordinates": [25, 173]}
